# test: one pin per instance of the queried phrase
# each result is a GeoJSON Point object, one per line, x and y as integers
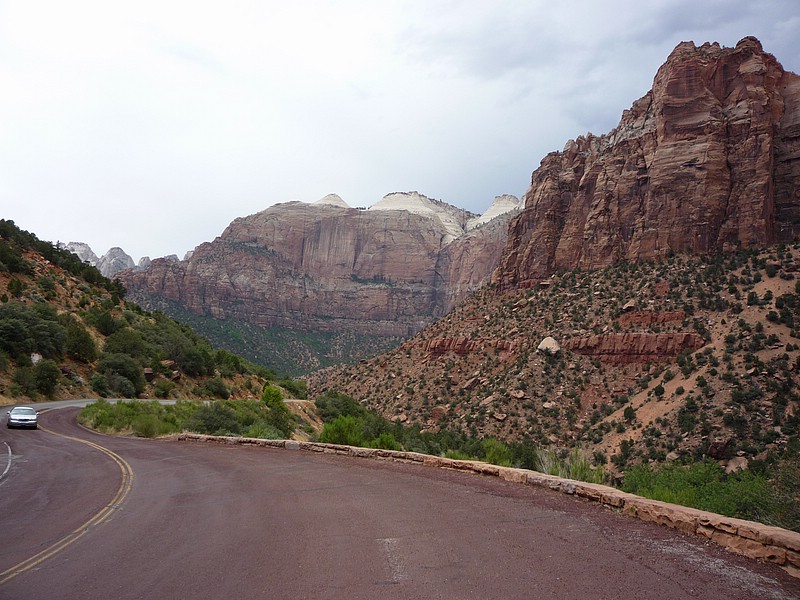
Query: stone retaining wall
{"type": "Point", "coordinates": [772, 544]}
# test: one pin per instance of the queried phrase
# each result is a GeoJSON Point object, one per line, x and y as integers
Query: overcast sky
{"type": "Point", "coordinates": [151, 125]}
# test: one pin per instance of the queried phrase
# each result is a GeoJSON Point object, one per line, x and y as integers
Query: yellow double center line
{"type": "Point", "coordinates": [100, 517]}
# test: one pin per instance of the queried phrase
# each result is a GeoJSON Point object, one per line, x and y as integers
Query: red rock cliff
{"type": "Point", "coordinates": [328, 268]}
{"type": "Point", "coordinates": [707, 161]}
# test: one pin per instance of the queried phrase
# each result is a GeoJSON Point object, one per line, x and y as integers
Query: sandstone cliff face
{"type": "Point", "coordinates": [707, 161]}
{"type": "Point", "coordinates": [326, 267]}
{"type": "Point", "coordinates": [627, 348]}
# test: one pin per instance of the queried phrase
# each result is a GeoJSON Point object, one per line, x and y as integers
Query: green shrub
{"type": "Point", "coordinates": [78, 343]}
{"type": "Point", "coordinates": [458, 455]}
{"type": "Point", "coordinates": [296, 387]}
{"type": "Point", "coordinates": [99, 385]}
{"type": "Point", "coordinates": [386, 441]}
{"type": "Point", "coordinates": [216, 388]}
{"type": "Point", "coordinates": [163, 387]}
{"type": "Point", "coordinates": [124, 366]}
{"type": "Point", "coordinates": [215, 419]}
{"type": "Point", "coordinates": [46, 373]}
{"type": "Point", "coordinates": [264, 431]}
{"type": "Point", "coordinates": [703, 485]}
{"type": "Point", "coordinates": [279, 416]}
{"type": "Point", "coordinates": [146, 426]}
{"type": "Point", "coordinates": [120, 386]}
{"type": "Point", "coordinates": [345, 430]}
{"type": "Point", "coordinates": [496, 452]}
{"type": "Point", "coordinates": [25, 380]}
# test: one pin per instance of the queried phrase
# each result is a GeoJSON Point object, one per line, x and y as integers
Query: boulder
{"type": "Point", "coordinates": [549, 346]}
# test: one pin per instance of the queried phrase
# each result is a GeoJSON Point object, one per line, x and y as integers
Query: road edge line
{"type": "Point", "coordinates": [98, 519]}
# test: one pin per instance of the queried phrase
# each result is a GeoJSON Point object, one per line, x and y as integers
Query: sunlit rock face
{"type": "Point", "coordinates": [114, 261]}
{"type": "Point", "coordinates": [707, 161]}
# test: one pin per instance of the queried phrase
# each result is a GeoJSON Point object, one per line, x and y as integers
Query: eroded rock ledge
{"type": "Point", "coordinates": [627, 348]}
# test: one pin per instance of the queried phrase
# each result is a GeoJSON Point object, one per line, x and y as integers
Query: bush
{"type": "Point", "coordinates": [163, 387]}
{"type": "Point", "coordinates": [279, 416]}
{"type": "Point", "coordinates": [99, 385]}
{"type": "Point", "coordinates": [216, 388]}
{"type": "Point", "coordinates": [146, 426]}
{"type": "Point", "coordinates": [386, 441]}
{"type": "Point", "coordinates": [496, 452]}
{"type": "Point", "coordinates": [215, 419]}
{"type": "Point", "coordinates": [458, 455]}
{"type": "Point", "coordinates": [705, 486]}
{"type": "Point", "coordinates": [296, 387]}
{"type": "Point", "coordinates": [46, 374]}
{"type": "Point", "coordinates": [121, 386]}
{"type": "Point", "coordinates": [345, 430]}
{"type": "Point", "coordinates": [125, 366]}
{"type": "Point", "coordinates": [25, 381]}
{"type": "Point", "coordinates": [127, 341]}
{"type": "Point", "coordinates": [25, 330]}
{"type": "Point", "coordinates": [78, 343]}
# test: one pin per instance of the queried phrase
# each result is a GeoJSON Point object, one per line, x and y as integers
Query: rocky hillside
{"type": "Point", "coordinates": [689, 356]}
{"type": "Point", "coordinates": [345, 281]}
{"type": "Point", "coordinates": [705, 162]}
{"type": "Point", "coordinates": [626, 313]}
{"type": "Point", "coordinates": [67, 332]}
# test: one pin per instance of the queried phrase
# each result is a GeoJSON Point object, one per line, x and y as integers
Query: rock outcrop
{"type": "Point", "coordinates": [707, 161]}
{"type": "Point", "coordinates": [463, 345]}
{"type": "Point", "coordinates": [627, 348]}
{"type": "Point", "coordinates": [385, 271]}
{"type": "Point", "coordinates": [114, 261]}
{"type": "Point", "coordinates": [82, 251]}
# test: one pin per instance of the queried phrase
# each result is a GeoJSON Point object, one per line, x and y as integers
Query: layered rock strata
{"type": "Point", "coordinates": [627, 348]}
{"type": "Point", "coordinates": [707, 161]}
{"type": "Point", "coordinates": [385, 271]}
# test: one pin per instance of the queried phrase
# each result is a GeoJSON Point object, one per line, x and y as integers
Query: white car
{"type": "Point", "coordinates": [23, 416]}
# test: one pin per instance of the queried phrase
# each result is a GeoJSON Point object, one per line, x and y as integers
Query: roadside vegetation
{"type": "Point", "coordinates": [765, 493]}
{"type": "Point", "coordinates": [268, 418]}
{"type": "Point", "coordinates": [350, 423]}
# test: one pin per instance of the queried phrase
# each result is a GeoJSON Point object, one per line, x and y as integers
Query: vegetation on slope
{"type": "Point", "coordinates": [283, 350]}
{"type": "Point", "coordinates": [67, 332]}
{"type": "Point", "coordinates": [733, 401]}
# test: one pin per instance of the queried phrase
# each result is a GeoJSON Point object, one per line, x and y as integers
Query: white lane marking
{"type": "Point", "coordinates": [8, 465]}
{"type": "Point", "coordinates": [396, 564]}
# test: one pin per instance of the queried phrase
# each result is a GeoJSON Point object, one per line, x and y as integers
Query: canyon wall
{"type": "Point", "coordinates": [707, 161]}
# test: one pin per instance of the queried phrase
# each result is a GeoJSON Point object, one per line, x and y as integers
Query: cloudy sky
{"type": "Point", "coordinates": [151, 125]}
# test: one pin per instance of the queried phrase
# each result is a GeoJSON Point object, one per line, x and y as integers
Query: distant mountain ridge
{"type": "Point", "coordinates": [112, 262]}
{"type": "Point", "coordinates": [325, 268]}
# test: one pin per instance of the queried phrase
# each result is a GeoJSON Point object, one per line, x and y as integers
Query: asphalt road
{"type": "Point", "coordinates": [118, 518]}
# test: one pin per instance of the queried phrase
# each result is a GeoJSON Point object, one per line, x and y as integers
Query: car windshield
{"type": "Point", "coordinates": [24, 411]}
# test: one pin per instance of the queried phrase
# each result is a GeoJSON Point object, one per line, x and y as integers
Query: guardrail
{"type": "Point", "coordinates": [755, 540]}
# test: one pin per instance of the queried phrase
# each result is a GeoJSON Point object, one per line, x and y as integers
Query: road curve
{"type": "Point", "coordinates": [208, 521]}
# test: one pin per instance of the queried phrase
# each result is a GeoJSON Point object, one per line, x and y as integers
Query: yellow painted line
{"type": "Point", "coordinates": [104, 513]}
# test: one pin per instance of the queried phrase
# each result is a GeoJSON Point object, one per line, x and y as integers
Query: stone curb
{"type": "Point", "coordinates": [763, 542]}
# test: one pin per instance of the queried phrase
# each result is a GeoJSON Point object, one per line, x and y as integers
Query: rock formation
{"type": "Point", "coordinates": [82, 251]}
{"type": "Point", "coordinates": [706, 161]}
{"type": "Point", "coordinates": [386, 271]}
{"type": "Point", "coordinates": [626, 348]}
{"type": "Point", "coordinates": [114, 261]}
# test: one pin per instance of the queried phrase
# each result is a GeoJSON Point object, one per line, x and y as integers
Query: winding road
{"type": "Point", "coordinates": [88, 516]}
